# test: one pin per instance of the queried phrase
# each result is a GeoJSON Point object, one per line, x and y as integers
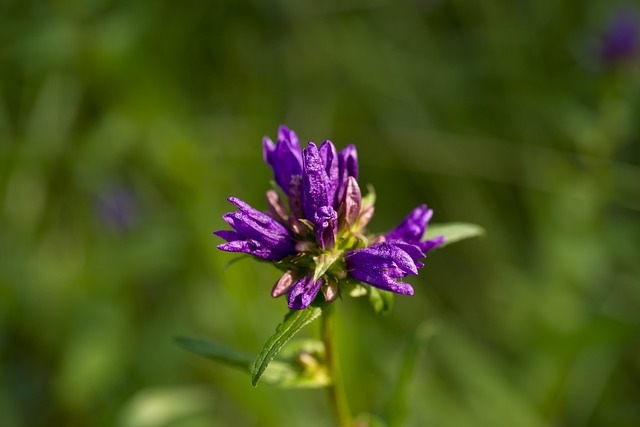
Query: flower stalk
{"type": "Point", "coordinates": [337, 395]}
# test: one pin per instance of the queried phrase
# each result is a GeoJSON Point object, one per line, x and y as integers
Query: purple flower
{"type": "Point", "coordinates": [315, 183]}
{"type": "Point", "coordinates": [382, 264]}
{"type": "Point", "coordinates": [256, 233]}
{"type": "Point", "coordinates": [320, 241]}
{"type": "Point", "coordinates": [412, 228]}
{"type": "Point", "coordinates": [303, 292]}
{"type": "Point", "coordinates": [621, 40]}
{"type": "Point", "coordinates": [285, 157]}
{"type": "Point", "coordinates": [326, 226]}
{"type": "Point", "coordinates": [329, 157]}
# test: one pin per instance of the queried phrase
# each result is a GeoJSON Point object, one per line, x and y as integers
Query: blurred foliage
{"type": "Point", "coordinates": [125, 125]}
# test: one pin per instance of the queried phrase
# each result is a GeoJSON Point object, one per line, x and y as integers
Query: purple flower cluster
{"type": "Point", "coordinates": [319, 238]}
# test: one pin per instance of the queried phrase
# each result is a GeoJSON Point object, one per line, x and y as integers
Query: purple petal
{"type": "Point", "coordinates": [314, 182]}
{"type": "Point", "coordinates": [383, 254]}
{"type": "Point", "coordinates": [259, 217]}
{"type": "Point", "coordinates": [228, 235]}
{"type": "Point", "coordinates": [326, 226]}
{"type": "Point", "coordinates": [412, 228]}
{"type": "Point", "coordinates": [256, 233]}
{"type": "Point", "coordinates": [413, 250]}
{"type": "Point", "coordinates": [303, 292]}
{"type": "Point", "coordinates": [381, 278]}
{"type": "Point", "coordinates": [285, 157]}
{"type": "Point", "coordinates": [382, 264]}
{"type": "Point", "coordinates": [287, 135]}
{"type": "Point", "coordinates": [431, 244]}
{"type": "Point", "coordinates": [268, 148]}
{"type": "Point", "coordinates": [329, 157]}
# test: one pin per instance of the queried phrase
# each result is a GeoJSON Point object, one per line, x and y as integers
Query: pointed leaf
{"type": "Point", "coordinates": [293, 322]}
{"type": "Point", "coordinates": [370, 198]}
{"type": "Point", "coordinates": [217, 352]}
{"type": "Point", "coordinates": [324, 262]}
{"type": "Point", "coordinates": [381, 301]}
{"type": "Point", "coordinates": [301, 364]}
{"type": "Point", "coordinates": [453, 232]}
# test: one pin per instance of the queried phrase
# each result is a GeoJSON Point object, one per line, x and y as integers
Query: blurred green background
{"type": "Point", "coordinates": [124, 126]}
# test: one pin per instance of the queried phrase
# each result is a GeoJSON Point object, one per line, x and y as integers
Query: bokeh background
{"type": "Point", "coordinates": [124, 126]}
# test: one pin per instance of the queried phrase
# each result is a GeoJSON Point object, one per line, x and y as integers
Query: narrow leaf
{"type": "Point", "coordinates": [216, 351]}
{"type": "Point", "coordinates": [453, 232]}
{"type": "Point", "coordinates": [323, 262]}
{"type": "Point", "coordinates": [293, 322]}
{"type": "Point", "coordinates": [299, 365]}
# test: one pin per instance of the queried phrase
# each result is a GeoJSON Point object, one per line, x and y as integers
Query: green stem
{"type": "Point", "coordinates": [337, 395]}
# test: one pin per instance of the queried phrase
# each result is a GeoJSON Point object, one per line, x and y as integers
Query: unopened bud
{"type": "Point", "coordinates": [275, 206]}
{"type": "Point", "coordinates": [352, 202]}
{"type": "Point", "coordinates": [365, 216]}
{"type": "Point", "coordinates": [304, 246]}
{"type": "Point", "coordinates": [283, 285]}
{"type": "Point", "coordinates": [296, 226]}
{"type": "Point", "coordinates": [330, 291]}
{"type": "Point", "coordinates": [377, 239]}
{"type": "Point", "coordinates": [308, 362]}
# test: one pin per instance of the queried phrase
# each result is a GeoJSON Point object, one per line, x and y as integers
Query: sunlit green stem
{"type": "Point", "coordinates": [336, 390]}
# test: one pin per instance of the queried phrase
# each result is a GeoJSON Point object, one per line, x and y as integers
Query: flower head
{"type": "Point", "coordinates": [320, 241]}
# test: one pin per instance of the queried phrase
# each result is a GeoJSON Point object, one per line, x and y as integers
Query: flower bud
{"type": "Point", "coordinates": [378, 239]}
{"type": "Point", "coordinates": [283, 284]}
{"type": "Point", "coordinates": [330, 291]}
{"type": "Point", "coordinates": [352, 202]}
{"type": "Point", "coordinates": [365, 216]}
{"type": "Point", "coordinates": [276, 208]}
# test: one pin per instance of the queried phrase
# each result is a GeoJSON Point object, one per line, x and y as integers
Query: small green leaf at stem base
{"type": "Point", "coordinates": [299, 365]}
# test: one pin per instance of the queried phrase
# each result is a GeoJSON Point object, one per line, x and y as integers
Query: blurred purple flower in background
{"type": "Point", "coordinates": [117, 208]}
{"type": "Point", "coordinates": [620, 41]}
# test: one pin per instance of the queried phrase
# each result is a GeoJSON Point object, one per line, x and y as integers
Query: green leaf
{"type": "Point", "coordinates": [370, 198]}
{"type": "Point", "coordinates": [453, 232]}
{"type": "Point", "coordinates": [217, 352]}
{"type": "Point", "coordinates": [323, 262]}
{"type": "Point", "coordinates": [304, 363]}
{"type": "Point", "coordinates": [381, 301]}
{"type": "Point", "coordinates": [300, 365]}
{"type": "Point", "coordinates": [397, 409]}
{"type": "Point", "coordinates": [293, 322]}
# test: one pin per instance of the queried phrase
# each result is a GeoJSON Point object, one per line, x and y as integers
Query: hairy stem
{"type": "Point", "coordinates": [337, 395]}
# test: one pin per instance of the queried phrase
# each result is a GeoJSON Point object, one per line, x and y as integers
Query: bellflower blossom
{"type": "Point", "coordinates": [319, 238]}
